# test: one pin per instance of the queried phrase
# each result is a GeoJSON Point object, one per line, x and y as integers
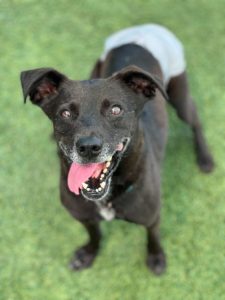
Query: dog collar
{"type": "Point", "coordinates": [129, 188]}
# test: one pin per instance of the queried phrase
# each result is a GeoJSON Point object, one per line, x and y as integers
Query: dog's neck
{"type": "Point", "coordinates": [129, 169]}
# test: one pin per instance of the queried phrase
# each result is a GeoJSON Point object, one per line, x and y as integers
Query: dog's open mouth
{"type": "Point", "coordinates": [93, 180]}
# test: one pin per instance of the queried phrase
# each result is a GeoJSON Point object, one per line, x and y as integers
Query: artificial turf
{"type": "Point", "coordinates": [37, 236]}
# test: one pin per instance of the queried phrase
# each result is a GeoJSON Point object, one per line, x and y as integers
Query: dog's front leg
{"type": "Point", "coordinates": [85, 256]}
{"type": "Point", "coordinates": [156, 259]}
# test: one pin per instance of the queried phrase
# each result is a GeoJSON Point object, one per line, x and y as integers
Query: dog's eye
{"type": "Point", "coordinates": [65, 114]}
{"type": "Point", "coordinates": [116, 110]}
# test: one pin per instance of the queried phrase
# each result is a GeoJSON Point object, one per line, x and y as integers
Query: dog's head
{"type": "Point", "coordinates": [93, 120]}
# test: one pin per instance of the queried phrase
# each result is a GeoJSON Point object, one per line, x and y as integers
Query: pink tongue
{"type": "Point", "coordinates": [81, 173]}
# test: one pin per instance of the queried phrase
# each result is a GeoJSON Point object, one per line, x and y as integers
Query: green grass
{"type": "Point", "coordinates": [37, 236]}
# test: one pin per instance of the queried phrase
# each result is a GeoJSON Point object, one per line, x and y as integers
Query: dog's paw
{"type": "Point", "coordinates": [83, 258]}
{"type": "Point", "coordinates": [205, 163]}
{"type": "Point", "coordinates": [157, 263]}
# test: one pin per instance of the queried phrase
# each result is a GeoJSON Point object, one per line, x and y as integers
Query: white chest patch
{"type": "Point", "coordinates": [107, 212]}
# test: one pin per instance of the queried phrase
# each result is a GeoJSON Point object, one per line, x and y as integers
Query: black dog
{"type": "Point", "coordinates": [111, 134]}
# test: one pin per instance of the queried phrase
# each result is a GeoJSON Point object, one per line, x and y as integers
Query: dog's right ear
{"type": "Point", "coordinates": [40, 84]}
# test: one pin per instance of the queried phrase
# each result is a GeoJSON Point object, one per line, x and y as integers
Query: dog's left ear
{"type": "Point", "coordinates": [141, 82]}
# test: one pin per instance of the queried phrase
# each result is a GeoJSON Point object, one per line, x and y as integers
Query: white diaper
{"type": "Point", "coordinates": [158, 40]}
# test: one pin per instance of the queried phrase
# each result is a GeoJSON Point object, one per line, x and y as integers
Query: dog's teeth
{"type": "Point", "coordinates": [103, 184]}
{"type": "Point", "coordinates": [110, 159]}
{"type": "Point", "coordinates": [107, 164]}
{"type": "Point", "coordinates": [84, 185]}
{"type": "Point", "coordinates": [88, 189]}
{"type": "Point", "coordinates": [99, 189]}
{"type": "Point", "coordinates": [102, 176]}
{"type": "Point", "coordinates": [105, 170]}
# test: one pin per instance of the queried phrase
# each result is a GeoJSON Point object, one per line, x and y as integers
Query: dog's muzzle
{"type": "Point", "coordinates": [93, 181]}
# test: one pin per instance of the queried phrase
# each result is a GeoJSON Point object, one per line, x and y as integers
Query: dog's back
{"type": "Point", "coordinates": [158, 41]}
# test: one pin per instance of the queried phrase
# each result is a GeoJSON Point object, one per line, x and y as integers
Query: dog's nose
{"type": "Point", "coordinates": [89, 146]}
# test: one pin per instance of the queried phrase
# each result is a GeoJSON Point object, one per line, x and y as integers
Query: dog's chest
{"type": "Point", "coordinates": [109, 210]}
{"type": "Point", "coordinates": [106, 211]}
